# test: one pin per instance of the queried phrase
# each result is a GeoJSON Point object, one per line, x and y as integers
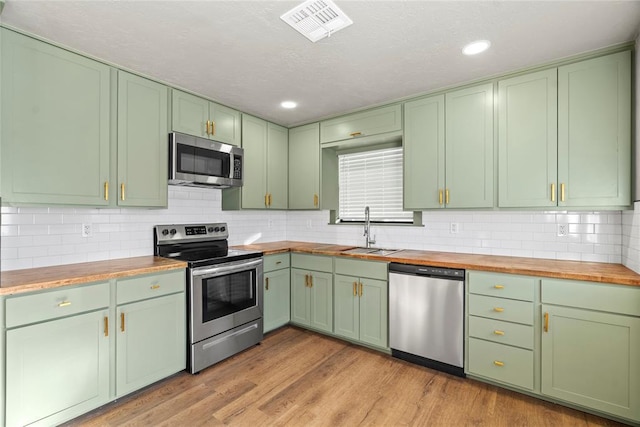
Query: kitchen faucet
{"type": "Point", "coordinates": [367, 229]}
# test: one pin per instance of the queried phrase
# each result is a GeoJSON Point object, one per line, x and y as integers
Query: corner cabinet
{"type": "Point", "coordinates": [312, 291]}
{"type": "Point", "coordinates": [55, 124]}
{"type": "Point", "coordinates": [142, 142]}
{"type": "Point", "coordinates": [265, 180]}
{"type": "Point", "coordinates": [200, 117]}
{"type": "Point", "coordinates": [277, 292]}
{"type": "Point", "coordinates": [304, 167]}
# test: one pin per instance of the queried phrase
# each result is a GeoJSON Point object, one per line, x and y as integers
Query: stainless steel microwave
{"type": "Point", "coordinates": [200, 162]}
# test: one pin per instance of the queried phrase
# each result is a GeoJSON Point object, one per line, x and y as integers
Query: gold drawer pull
{"type": "Point", "coordinates": [497, 332]}
{"type": "Point", "coordinates": [154, 287]}
{"type": "Point", "coordinates": [498, 309]}
{"type": "Point", "coordinates": [64, 304]}
{"type": "Point", "coordinates": [352, 134]}
{"type": "Point", "coordinates": [498, 363]}
{"type": "Point", "coordinates": [499, 286]}
{"type": "Point", "coordinates": [278, 262]}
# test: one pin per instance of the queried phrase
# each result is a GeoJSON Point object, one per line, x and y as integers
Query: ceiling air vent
{"type": "Point", "coordinates": [317, 19]}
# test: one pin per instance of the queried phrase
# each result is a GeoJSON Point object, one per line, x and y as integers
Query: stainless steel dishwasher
{"type": "Point", "coordinates": [426, 316]}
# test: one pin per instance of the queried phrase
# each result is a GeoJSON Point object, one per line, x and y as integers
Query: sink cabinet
{"type": "Point", "coordinates": [277, 292]}
{"type": "Point", "coordinates": [312, 291]}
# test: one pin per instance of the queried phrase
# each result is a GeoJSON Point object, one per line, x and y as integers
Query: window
{"type": "Point", "coordinates": [374, 179]}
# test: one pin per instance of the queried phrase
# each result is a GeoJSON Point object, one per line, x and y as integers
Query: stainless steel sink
{"type": "Point", "coordinates": [372, 251]}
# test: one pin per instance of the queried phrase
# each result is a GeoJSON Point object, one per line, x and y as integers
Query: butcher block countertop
{"type": "Point", "coordinates": [575, 270]}
{"type": "Point", "coordinates": [33, 279]}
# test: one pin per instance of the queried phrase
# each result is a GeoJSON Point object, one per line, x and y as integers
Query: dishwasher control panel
{"type": "Point", "coordinates": [424, 270]}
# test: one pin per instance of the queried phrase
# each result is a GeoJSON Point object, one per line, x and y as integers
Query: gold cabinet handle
{"type": "Point", "coordinates": [498, 363]}
{"type": "Point", "coordinates": [316, 201]}
{"type": "Point", "coordinates": [440, 196]}
{"type": "Point", "coordinates": [122, 191]}
{"type": "Point", "coordinates": [562, 192]}
{"type": "Point", "coordinates": [106, 326]}
{"type": "Point", "coordinates": [213, 127]}
{"type": "Point", "coordinates": [64, 304]}
{"type": "Point", "coordinates": [310, 281]}
{"type": "Point", "coordinates": [355, 289]}
{"type": "Point", "coordinates": [266, 283]}
{"type": "Point", "coordinates": [546, 322]}
{"type": "Point", "coordinates": [122, 322]}
{"type": "Point", "coordinates": [553, 192]}
{"type": "Point", "coordinates": [266, 200]}
{"type": "Point", "coordinates": [499, 286]}
{"type": "Point", "coordinates": [106, 190]}
{"type": "Point", "coordinates": [446, 197]}
{"type": "Point", "coordinates": [155, 286]}
{"type": "Point", "coordinates": [306, 280]}
{"type": "Point", "coordinates": [361, 288]}
{"type": "Point", "coordinates": [207, 125]}
{"type": "Point", "coordinates": [269, 199]}
{"type": "Point", "coordinates": [497, 332]}
{"type": "Point", "coordinates": [498, 309]}
{"type": "Point", "coordinates": [354, 134]}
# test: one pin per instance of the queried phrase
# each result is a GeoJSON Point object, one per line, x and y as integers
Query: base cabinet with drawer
{"type": "Point", "coordinates": [277, 293]}
{"type": "Point", "coordinates": [312, 291]}
{"type": "Point", "coordinates": [361, 301]}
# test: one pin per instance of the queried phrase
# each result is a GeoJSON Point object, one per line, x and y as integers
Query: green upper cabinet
{"type": "Point", "coordinates": [199, 117]}
{"type": "Point", "coordinates": [528, 140]}
{"type": "Point", "coordinates": [594, 132]}
{"type": "Point", "coordinates": [55, 124]}
{"type": "Point", "coordinates": [266, 152]}
{"type": "Point", "coordinates": [142, 142]}
{"type": "Point", "coordinates": [368, 123]}
{"type": "Point", "coordinates": [469, 171]}
{"type": "Point", "coordinates": [304, 167]}
{"type": "Point", "coordinates": [424, 153]}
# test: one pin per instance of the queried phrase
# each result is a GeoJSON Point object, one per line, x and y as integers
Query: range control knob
{"type": "Point", "coordinates": [165, 232]}
{"type": "Point", "coordinates": [210, 229]}
{"type": "Point", "coordinates": [217, 229]}
{"type": "Point", "coordinates": [173, 231]}
{"type": "Point", "coordinates": [223, 228]}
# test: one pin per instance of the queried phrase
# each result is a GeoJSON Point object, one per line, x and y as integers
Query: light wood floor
{"type": "Point", "coordinates": [300, 378]}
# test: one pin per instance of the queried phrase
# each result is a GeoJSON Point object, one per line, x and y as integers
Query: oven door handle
{"type": "Point", "coordinates": [226, 268]}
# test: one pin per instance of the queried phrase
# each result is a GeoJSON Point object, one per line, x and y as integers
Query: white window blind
{"type": "Point", "coordinates": [374, 179]}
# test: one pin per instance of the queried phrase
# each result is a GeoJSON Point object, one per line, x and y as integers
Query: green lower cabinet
{"type": "Point", "coordinates": [312, 299]}
{"type": "Point", "coordinates": [57, 370]}
{"type": "Point", "coordinates": [150, 341]}
{"type": "Point", "coordinates": [277, 299]}
{"type": "Point", "coordinates": [591, 359]}
{"type": "Point", "coordinates": [361, 309]}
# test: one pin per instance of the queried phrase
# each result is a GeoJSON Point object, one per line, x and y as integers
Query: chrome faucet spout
{"type": "Point", "coordinates": [367, 229]}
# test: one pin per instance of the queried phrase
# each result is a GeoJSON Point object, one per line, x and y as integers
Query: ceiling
{"type": "Point", "coordinates": [240, 53]}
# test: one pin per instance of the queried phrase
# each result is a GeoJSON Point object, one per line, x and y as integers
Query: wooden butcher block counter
{"type": "Point", "coordinates": [575, 270]}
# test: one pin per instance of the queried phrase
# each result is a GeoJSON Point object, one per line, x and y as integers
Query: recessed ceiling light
{"type": "Point", "coordinates": [288, 104]}
{"type": "Point", "coordinates": [476, 47]}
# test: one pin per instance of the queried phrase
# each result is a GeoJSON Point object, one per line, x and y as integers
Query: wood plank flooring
{"type": "Point", "coordinates": [300, 378]}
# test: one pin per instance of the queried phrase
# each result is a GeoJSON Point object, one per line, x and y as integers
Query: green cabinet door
{"type": "Point", "coordinates": [374, 310]}
{"type": "Point", "coordinates": [594, 131]}
{"type": "Point", "coordinates": [277, 166]}
{"type": "Point", "coordinates": [321, 295]}
{"type": "Point", "coordinates": [304, 167]}
{"type": "Point", "coordinates": [591, 358]}
{"type": "Point", "coordinates": [142, 142]}
{"type": "Point", "coordinates": [150, 345]}
{"type": "Point", "coordinates": [300, 298]}
{"type": "Point", "coordinates": [528, 140]}
{"type": "Point", "coordinates": [469, 153]}
{"type": "Point", "coordinates": [57, 370]}
{"type": "Point", "coordinates": [254, 142]}
{"type": "Point", "coordinates": [363, 124]}
{"type": "Point", "coordinates": [189, 114]}
{"type": "Point", "coordinates": [424, 151]}
{"type": "Point", "coordinates": [346, 306]}
{"type": "Point", "coordinates": [277, 299]}
{"type": "Point", "coordinates": [227, 124]}
{"type": "Point", "coordinates": [55, 124]}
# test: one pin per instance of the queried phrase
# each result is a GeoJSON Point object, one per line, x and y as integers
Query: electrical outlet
{"type": "Point", "coordinates": [270, 223]}
{"type": "Point", "coordinates": [563, 230]}
{"type": "Point", "coordinates": [454, 227]}
{"type": "Point", "coordinates": [309, 224]}
{"type": "Point", "coordinates": [86, 230]}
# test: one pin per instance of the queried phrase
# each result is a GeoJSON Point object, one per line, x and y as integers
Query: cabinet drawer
{"type": "Point", "coordinates": [501, 332]}
{"type": "Point", "coordinates": [312, 262]}
{"type": "Point", "coordinates": [618, 299]}
{"type": "Point", "coordinates": [358, 268]}
{"type": "Point", "coordinates": [276, 262]}
{"type": "Point", "coordinates": [149, 286]}
{"type": "Point", "coordinates": [366, 123]}
{"type": "Point", "coordinates": [501, 362]}
{"type": "Point", "coordinates": [501, 309]}
{"type": "Point", "coordinates": [49, 305]}
{"type": "Point", "coordinates": [502, 285]}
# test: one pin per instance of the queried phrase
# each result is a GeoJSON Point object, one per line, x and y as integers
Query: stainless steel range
{"type": "Point", "coordinates": [224, 292]}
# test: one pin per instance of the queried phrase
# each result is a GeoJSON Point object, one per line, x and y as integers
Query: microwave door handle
{"type": "Point", "coordinates": [224, 269]}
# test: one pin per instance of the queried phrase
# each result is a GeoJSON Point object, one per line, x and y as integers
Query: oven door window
{"type": "Point", "coordinates": [200, 161]}
{"type": "Point", "coordinates": [228, 294]}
